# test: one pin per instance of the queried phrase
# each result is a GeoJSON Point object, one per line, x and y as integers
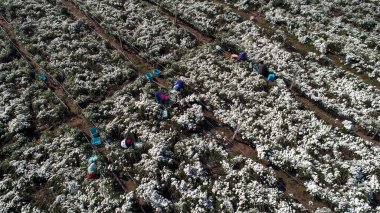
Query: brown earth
{"type": "Point", "coordinates": [293, 185]}
{"type": "Point", "coordinates": [78, 120]}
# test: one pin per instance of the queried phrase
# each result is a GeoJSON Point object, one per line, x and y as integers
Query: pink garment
{"type": "Point", "coordinates": [164, 96]}
{"type": "Point", "coordinates": [91, 176]}
{"type": "Point", "coordinates": [129, 142]}
{"type": "Point", "coordinates": [235, 57]}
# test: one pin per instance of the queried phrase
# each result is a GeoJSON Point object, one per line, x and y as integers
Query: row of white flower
{"type": "Point", "coordinates": [64, 151]}
{"type": "Point", "coordinates": [221, 90]}
{"type": "Point", "coordinates": [141, 26]}
{"type": "Point", "coordinates": [348, 28]}
{"type": "Point", "coordinates": [284, 132]}
{"type": "Point", "coordinates": [49, 177]}
{"type": "Point", "coordinates": [338, 91]}
{"type": "Point", "coordinates": [208, 17]}
{"type": "Point", "coordinates": [178, 162]}
{"type": "Point", "coordinates": [25, 103]}
{"type": "Point", "coordinates": [292, 138]}
{"type": "Point", "coordinates": [68, 49]}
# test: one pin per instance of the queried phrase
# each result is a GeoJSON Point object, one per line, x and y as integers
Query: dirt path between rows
{"type": "Point", "coordinates": [303, 49]}
{"type": "Point", "coordinates": [309, 104]}
{"type": "Point", "coordinates": [291, 184]}
{"type": "Point", "coordinates": [298, 190]}
{"type": "Point", "coordinates": [78, 120]}
{"type": "Point", "coordinates": [51, 83]}
{"type": "Point", "coordinates": [128, 53]}
{"type": "Point", "coordinates": [202, 39]}
{"type": "Point", "coordinates": [328, 117]}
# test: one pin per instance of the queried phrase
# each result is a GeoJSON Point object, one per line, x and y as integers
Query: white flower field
{"type": "Point", "coordinates": [230, 139]}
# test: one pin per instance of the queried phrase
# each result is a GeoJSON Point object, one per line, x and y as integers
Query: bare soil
{"type": "Point", "coordinates": [292, 185]}
{"type": "Point", "coordinates": [309, 104]}
{"type": "Point", "coordinates": [129, 53]}
{"type": "Point", "coordinates": [259, 18]}
{"type": "Point", "coordinates": [78, 119]}
{"type": "Point", "coordinates": [200, 37]}
{"type": "Point", "coordinates": [44, 197]}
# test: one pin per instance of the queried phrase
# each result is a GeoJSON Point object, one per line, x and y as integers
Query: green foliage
{"type": "Point", "coordinates": [280, 3]}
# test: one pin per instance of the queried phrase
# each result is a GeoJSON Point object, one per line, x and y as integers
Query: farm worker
{"type": "Point", "coordinates": [263, 70]}
{"type": "Point", "coordinates": [178, 85]}
{"type": "Point", "coordinates": [164, 97]}
{"type": "Point", "coordinates": [243, 56]}
{"type": "Point", "coordinates": [92, 169]}
{"type": "Point", "coordinates": [126, 143]}
{"type": "Point", "coordinates": [161, 97]}
{"type": "Point", "coordinates": [218, 49]}
{"type": "Point", "coordinates": [272, 76]}
{"type": "Point", "coordinates": [253, 66]}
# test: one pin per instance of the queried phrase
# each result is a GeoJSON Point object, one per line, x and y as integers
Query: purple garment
{"type": "Point", "coordinates": [242, 56]}
{"type": "Point", "coordinates": [179, 85]}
